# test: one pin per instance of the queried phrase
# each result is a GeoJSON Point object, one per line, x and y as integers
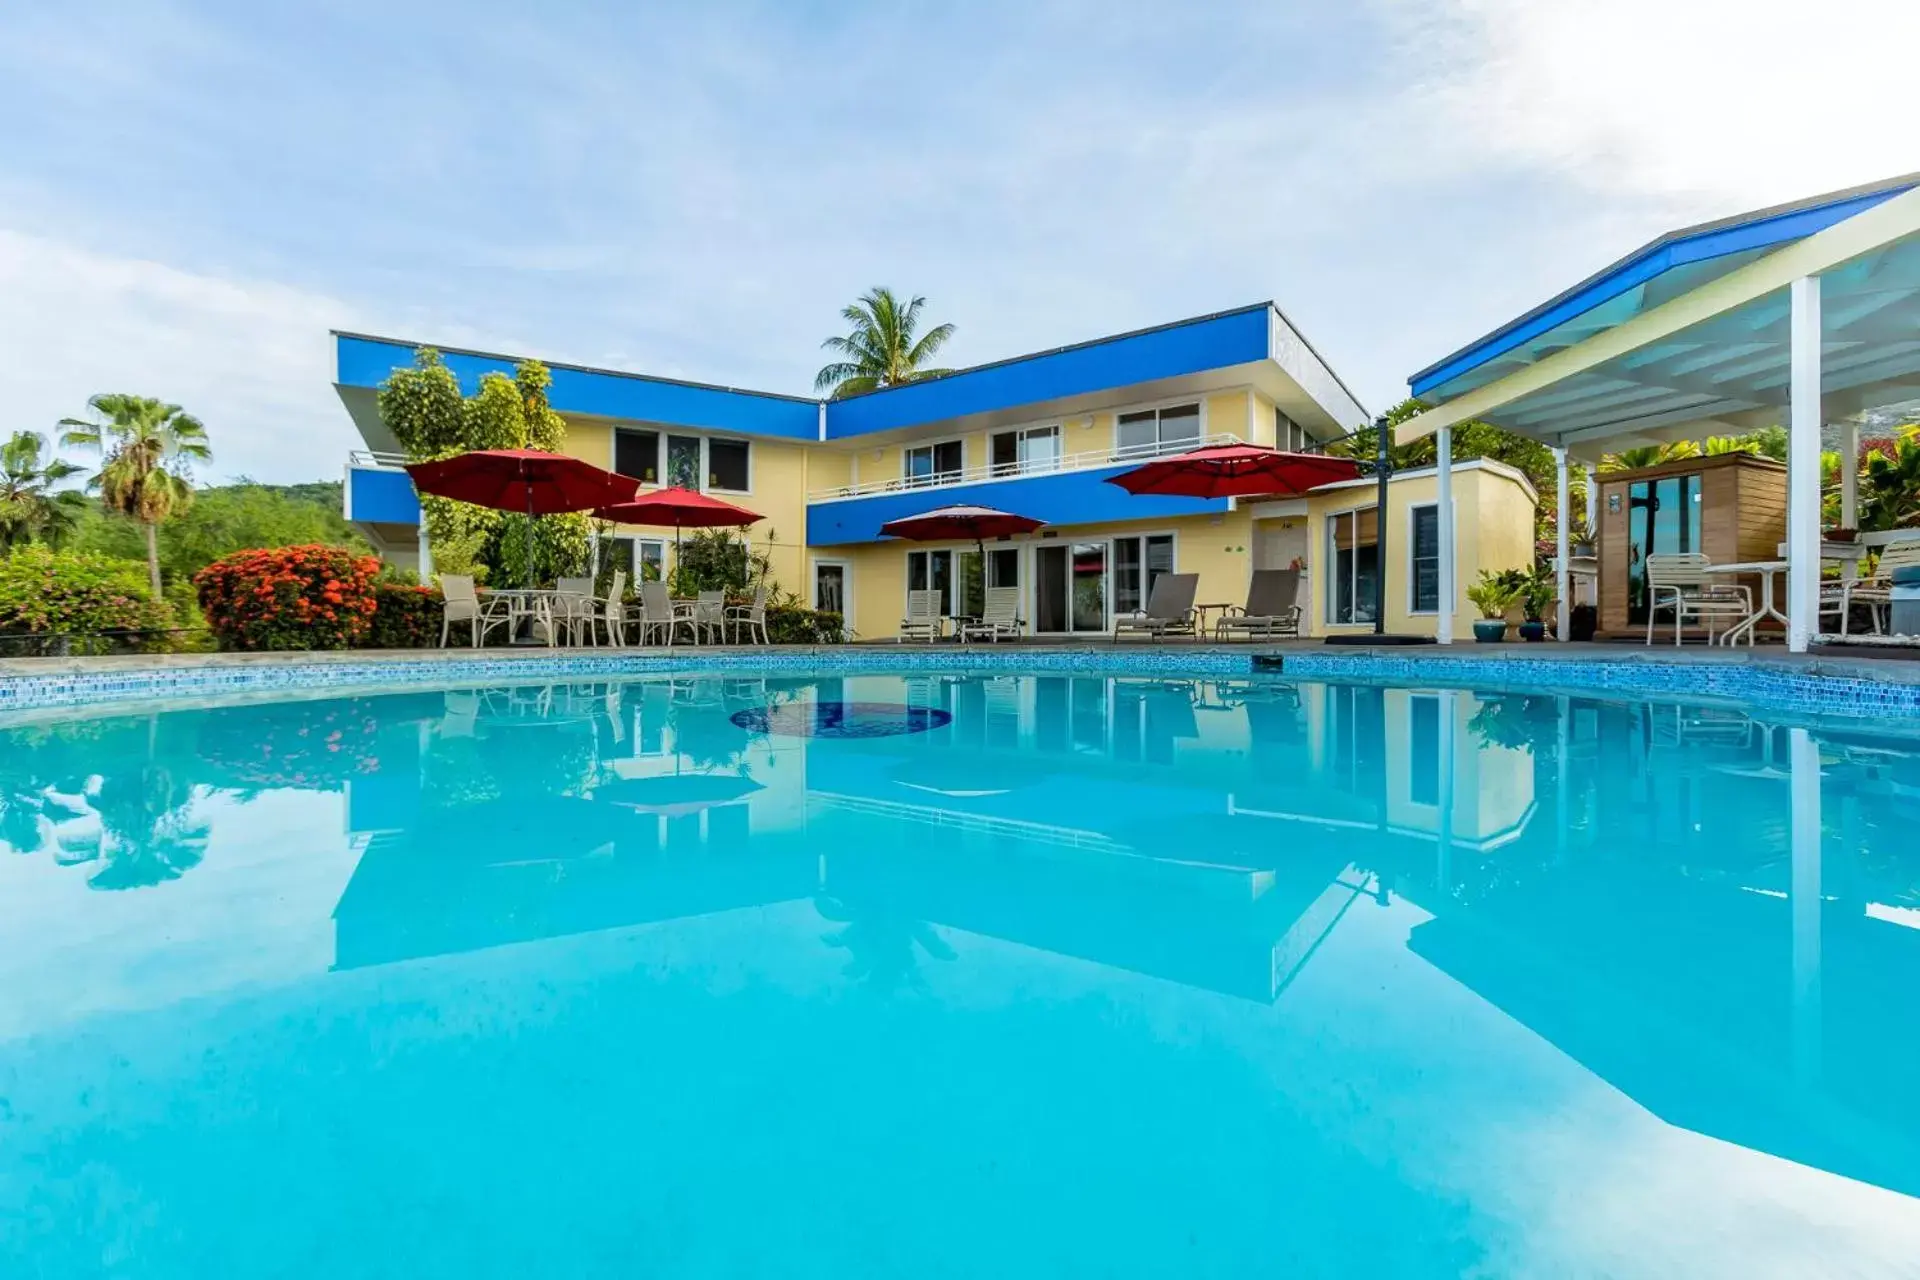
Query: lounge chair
{"type": "Point", "coordinates": [1875, 592]}
{"type": "Point", "coordinates": [1686, 584]}
{"type": "Point", "coordinates": [1169, 610]}
{"type": "Point", "coordinates": [1272, 609]}
{"type": "Point", "coordinates": [1000, 617]}
{"type": "Point", "coordinates": [923, 620]}
{"type": "Point", "coordinates": [463, 604]}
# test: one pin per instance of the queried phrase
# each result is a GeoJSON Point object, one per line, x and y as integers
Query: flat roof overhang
{"type": "Point", "coordinates": [1714, 358]}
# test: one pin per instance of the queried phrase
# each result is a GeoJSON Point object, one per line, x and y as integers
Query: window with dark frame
{"type": "Point", "coordinates": [727, 465]}
{"type": "Point", "coordinates": [1426, 559]}
{"type": "Point", "coordinates": [636, 455]}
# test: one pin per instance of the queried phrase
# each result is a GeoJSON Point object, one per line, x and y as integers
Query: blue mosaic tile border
{"type": "Point", "coordinates": [1770, 687]}
{"type": "Point", "coordinates": [21, 693]}
{"type": "Point", "coordinates": [1756, 685]}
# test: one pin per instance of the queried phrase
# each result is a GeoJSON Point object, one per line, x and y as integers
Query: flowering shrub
{"type": "Point", "coordinates": [311, 597]}
{"type": "Point", "coordinates": [405, 617]}
{"type": "Point", "coordinates": [78, 594]}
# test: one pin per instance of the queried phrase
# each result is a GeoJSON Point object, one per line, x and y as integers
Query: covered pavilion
{"type": "Point", "coordinates": [1802, 315]}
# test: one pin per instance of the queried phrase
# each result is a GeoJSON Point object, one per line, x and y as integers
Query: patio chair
{"type": "Point", "coordinates": [572, 611]}
{"type": "Point", "coordinates": [1685, 583]}
{"type": "Point", "coordinates": [1876, 591]}
{"type": "Point", "coordinates": [463, 604]}
{"type": "Point", "coordinates": [1169, 610]}
{"type": "Point", "coordinates": [923, 620]}
{"type": "Point", "coordinates": [750, 618]}
{"type": "Point", "coordinates": [709, 617]}
{"type": "Point", "coordinates": [1000, 616]}
{"type": "Point", "coordinates": [655, 614]}
{"type": "Point", "coordinates": [611, 612]}
{"type": "Point", "coordinates": [1272, 608]}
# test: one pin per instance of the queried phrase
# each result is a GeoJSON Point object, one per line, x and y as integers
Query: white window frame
{"type": "Point", "coordinates": [846, 586]}
{"type": "Point", "coordinates": [1021, 467]}
{"type": "Point", "coordinates": [660, 433]}
{"type": "Point", "coordinates": [952, 552]}
{"type": "Point", "coordinates": [934, 478]}
{"type": "Point", "coordinates": [1413, 582]}
{"type": "Point", "coordinates": [1293, 425]}
{"type": "Point", "coordinates": [1332, 597]}
{"type": "Point", "coordinates": [633, 543]}
{"type": "Point", "coordinates": [1157, 407]}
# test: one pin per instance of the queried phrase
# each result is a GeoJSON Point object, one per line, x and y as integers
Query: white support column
{"type": "Point", "coordinates": [426, 553]}
{"type": "Point", "coordinates": [1562, 515]}
{"type": "Point", "coordinates": [1803, 465]}
{"type": "Point", "coordinates": [1850, 487]}
{"type": "Point", "coordinates": [1803, 763]}
{"type": "Point", "coordinates": [1443, 825]}
{"type": "Point", "coordinates": [1593, 505]}
{"type": "Point", "coordinates": [1443, 492]}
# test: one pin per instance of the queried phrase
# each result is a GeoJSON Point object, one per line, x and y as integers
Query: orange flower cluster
{"type": "Point", "coordinates": [307, 597]}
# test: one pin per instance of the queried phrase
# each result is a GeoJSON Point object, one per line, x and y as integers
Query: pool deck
{"type": "Point", "coordinates": [1889, 670]}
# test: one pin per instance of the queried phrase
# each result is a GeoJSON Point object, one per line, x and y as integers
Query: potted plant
{"type": "Point", "coordinates": [1492, 596]}
{"type": "Point", "coordinates": [1537, 594]}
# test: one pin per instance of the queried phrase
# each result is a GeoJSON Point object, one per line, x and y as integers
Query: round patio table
{"type": "Point", "coordinates": [1768, 570]}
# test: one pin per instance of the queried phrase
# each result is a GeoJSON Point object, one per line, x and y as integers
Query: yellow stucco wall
{"type": "Point", "coordinates": [1493, 530]}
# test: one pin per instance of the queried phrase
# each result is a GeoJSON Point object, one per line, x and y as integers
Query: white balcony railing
{"type": "Point", "coordinates": [370, 458]}
{"type": "Point", "coordinates": [1090, 460]}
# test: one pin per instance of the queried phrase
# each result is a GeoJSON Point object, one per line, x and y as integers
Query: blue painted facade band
{"type": "Point", "coordinates": [1216, 342]}
{"type": "Point", "coordinates": [1070, 498]}
{"type": "Point", "coordinates": [368, 362]}
{"type": "Point", "coordinates": [381, 497]}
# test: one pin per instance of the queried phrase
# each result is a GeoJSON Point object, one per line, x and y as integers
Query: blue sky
{"type": "Point", "coordinates": [192, 194]}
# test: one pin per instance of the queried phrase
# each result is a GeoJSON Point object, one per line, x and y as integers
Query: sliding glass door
{"type": "Point", "coordinates": [1138, 563]}
{"type": "Point", "coordinates": [1070, 588]}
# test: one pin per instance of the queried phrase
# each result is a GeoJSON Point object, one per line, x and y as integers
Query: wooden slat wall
{"type": "Point", "coordinates": [1743, 517]}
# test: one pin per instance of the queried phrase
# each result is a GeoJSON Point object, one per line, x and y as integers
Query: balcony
{"type": "Point", "coordinates": [1091, 460]}
{"type": "Point", "coordinates": [1071, 490]}
{"type": "Point", "coordinates": [379, 497]}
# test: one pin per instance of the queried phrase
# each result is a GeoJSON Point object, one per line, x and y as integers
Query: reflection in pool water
{"type": "Point", "coordinates": [1105, 976]}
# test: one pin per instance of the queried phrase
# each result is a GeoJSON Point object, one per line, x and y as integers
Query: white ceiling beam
{"type": "Point", "coordinates": [1881, 225]}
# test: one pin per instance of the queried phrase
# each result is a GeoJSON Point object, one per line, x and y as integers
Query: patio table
{"type": "Point", "coordinates": [1767, 570]}
{"type": "Point", "coordinates": [525, 606]}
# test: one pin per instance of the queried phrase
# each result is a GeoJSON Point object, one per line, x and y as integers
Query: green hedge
{"type": "Point", "coordinates": [405, 617]}
{"type": "Point", "coordinates": [78, 594]}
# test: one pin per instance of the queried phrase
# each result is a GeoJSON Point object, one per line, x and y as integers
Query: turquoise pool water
{"type": "Point", "coordinates": [957, 976]}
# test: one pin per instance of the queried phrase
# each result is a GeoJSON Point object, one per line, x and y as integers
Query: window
{"type": "Point", "coordinates": [636, 455]}
{"type": "Point", "coordinates": [1155, 431]}
{"type": "Point", "coordinates": [1426, 559]}
{"type": "Point", "coordinates": [1288, 434]}
{"type": "Point", "coordinates": [683, 461]}
{"type": "Point", "coordinates": [932, 571]}
{"type": "Point", "coordinates": [933, 463]}
{"type": "Point", "coordinates": [727, 466]}
{"type": "Point", "coordinates": [830, 587]}
{"type": "Point", "coordinates": [1137, 565]}
{"type": "Point", "coordinates": [1353, 552]}
{"type": "Point", "coordinates": [643, 559]}
{"type": "Point", "coordinates": [1020, 452]}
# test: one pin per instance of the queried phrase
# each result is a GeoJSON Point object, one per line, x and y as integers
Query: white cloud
{"type": "Point", "coordinates": [249, 358]}
{"type": "Point", "coordinates": [1705, 106]}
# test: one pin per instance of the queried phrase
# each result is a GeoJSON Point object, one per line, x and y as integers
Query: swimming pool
{"type": "Point", "coordinates": [957, 973]}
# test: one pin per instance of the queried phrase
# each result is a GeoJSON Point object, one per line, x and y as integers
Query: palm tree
{"type": "Point", "coordinates": [30, 505]}
{"type": "Point", "coordinates": [880, 349]}
{"type": "Point", "coordinates": [1650, 456]}
{"type": "Point", "coordinates": [147, 449]}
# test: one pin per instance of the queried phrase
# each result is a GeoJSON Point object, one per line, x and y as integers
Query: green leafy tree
{"type": "Point", "coordinates": [881, 348]}
{"type": "Point", "coordinates": [1651, 455]}
{"type": "Point", "coordinates": [32, 506]}
{"type": "Point", "coordinates": [1891, 494]}
{"type": "Point", "coordinates": [147, 449]}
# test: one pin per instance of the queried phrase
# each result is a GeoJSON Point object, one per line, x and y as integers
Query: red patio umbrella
{"type": "Point", "coordinates": [525, 481]}
{"type": "Point", "coordinates": [961, 521]}
{"type": "Point", "coordinates": [1235, 471]}
{"type": "Point", "coordinates": [678, 509]}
